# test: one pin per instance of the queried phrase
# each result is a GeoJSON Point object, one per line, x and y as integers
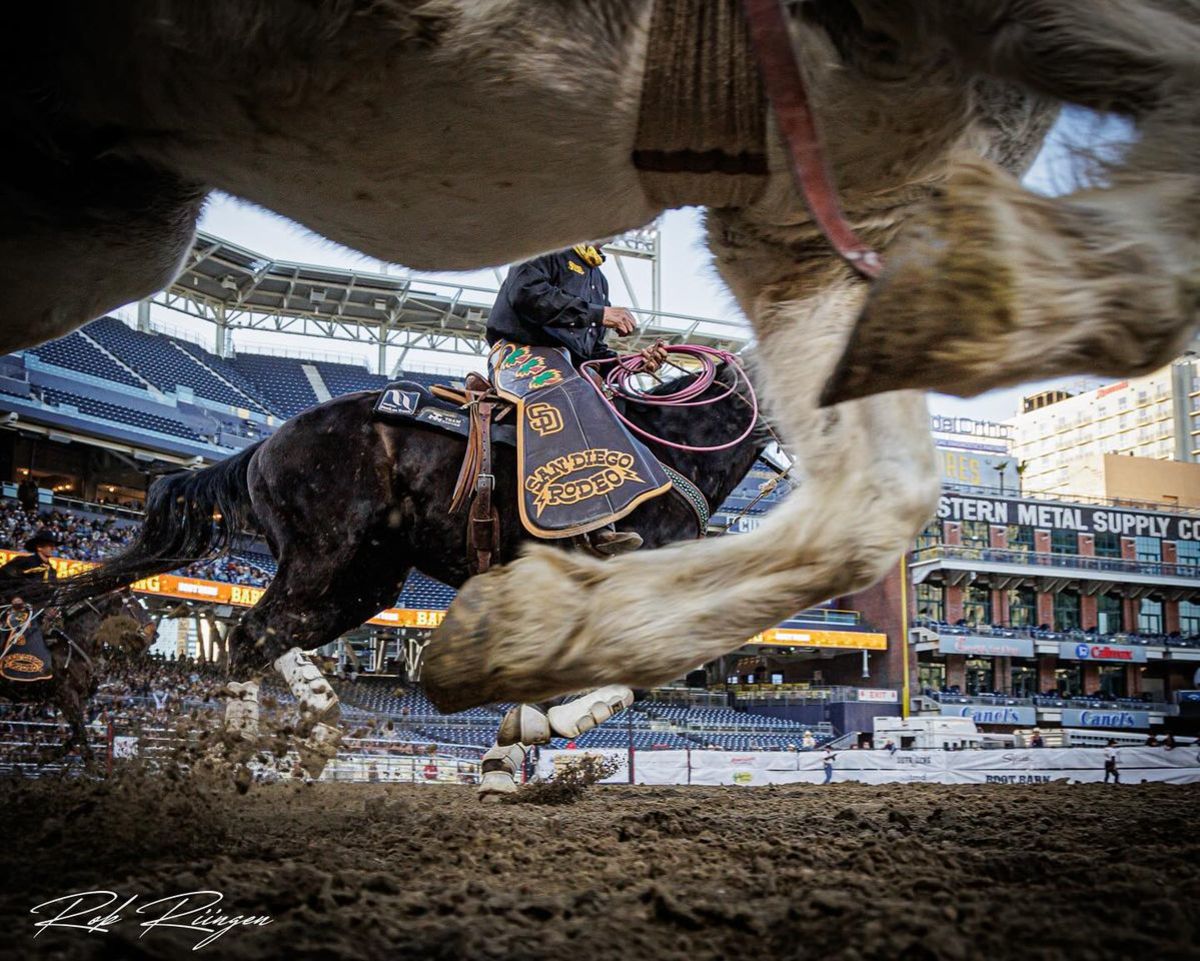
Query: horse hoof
{"type": "Point", "coordinates": [454, 665]}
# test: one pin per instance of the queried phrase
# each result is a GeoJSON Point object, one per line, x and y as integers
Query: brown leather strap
{"type": "Point", "coordinates": [483, 521]}
{"type": "Point", "coordinates": [785, 87]}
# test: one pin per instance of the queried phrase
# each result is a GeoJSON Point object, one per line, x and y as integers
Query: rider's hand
{"type": "Point", "coordinates": [653, 357]}
{"type": "Point", "coordinates": [620, 320]}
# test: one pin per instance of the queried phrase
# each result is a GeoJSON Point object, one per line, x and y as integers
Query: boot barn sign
{"type": "Point", "coordinates": [1086, 520]}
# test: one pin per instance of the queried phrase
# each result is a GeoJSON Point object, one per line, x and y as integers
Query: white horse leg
{"type": "Point", "coordinates": [318, 705]}
{"type": "Point", "coordinates": [992, 285]}
{"type": "Point", "coordinates": [643, 619]}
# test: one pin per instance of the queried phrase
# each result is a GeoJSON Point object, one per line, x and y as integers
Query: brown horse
{"type": "Point", "coordinates": [117, 620]}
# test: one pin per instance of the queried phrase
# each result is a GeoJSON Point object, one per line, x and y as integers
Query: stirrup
{"type": "Point", "coordinates": [608, 543]}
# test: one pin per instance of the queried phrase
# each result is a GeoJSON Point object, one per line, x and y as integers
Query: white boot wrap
{"type": "Point", "coordinates": [308, 684]}
{"type": "Point", "coordinates": [241, 710]}
{"type": "Point", "coordinates": [585, 712]}
{"type": "Point", "coordinates": [524, 724]}
{"type": "Point", "coordinates": [500, 768]}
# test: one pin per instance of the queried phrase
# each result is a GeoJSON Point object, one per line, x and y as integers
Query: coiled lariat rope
{"type": "Point", "coordinates": [623, 370]}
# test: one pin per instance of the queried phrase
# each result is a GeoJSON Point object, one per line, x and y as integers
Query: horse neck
{"type": "Point", "coordinates": [715, 473]}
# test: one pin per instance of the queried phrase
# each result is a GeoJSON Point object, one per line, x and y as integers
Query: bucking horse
{"type": "Point", "coordinates": [350, 502]}
{"type": "Point", "coordinates": [447, 134]}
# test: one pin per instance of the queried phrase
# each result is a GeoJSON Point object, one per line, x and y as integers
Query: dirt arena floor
{"type": "Point", "coordinates": [411, 872]}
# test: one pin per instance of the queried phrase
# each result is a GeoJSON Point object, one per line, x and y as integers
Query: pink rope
{"type": "Point", "coordinates": [619, 382]}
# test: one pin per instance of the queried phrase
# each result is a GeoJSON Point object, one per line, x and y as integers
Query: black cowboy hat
{"type": "Point", "coordinates": [41, 537]}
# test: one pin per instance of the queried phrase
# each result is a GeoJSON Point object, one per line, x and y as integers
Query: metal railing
{"type": "Point", "coordinates": [1079, 562]}
{"type": "Point", "coordinates": [1074, 635]}
{"type": "Point", "coordinates": [1055, 703]}
{"type": "Point", "coordinates": [810, 695]}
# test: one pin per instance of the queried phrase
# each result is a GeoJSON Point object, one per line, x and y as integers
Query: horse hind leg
{"type": "Point", "coordinates": [992, 285]}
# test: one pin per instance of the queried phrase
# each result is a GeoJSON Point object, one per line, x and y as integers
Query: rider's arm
{"type": "Point", "coordinates": [540, 301]}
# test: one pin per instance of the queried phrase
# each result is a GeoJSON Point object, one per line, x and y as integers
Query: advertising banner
{"type": "Point", "coordinates": [553, 762]}
{"type": "Point", "coordinates": [220, 592]}
{"type": "Point", "coordinates": [993, 714]}
{"type": "Point", "coordinates": [1082, 651]}
{"type": "Point", "coordinates": [1003, 511]}
{"type": "Point", "coordinates": [812, 637]}
{"type": "Point", "coordinates": [974, 645]}
{"type": "Point", "coordinates": [1105, 718]}
{"type": "Point", "coordinates": [1017, 767]}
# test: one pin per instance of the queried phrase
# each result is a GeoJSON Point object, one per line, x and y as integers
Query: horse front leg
{"type": "Point", "coordinates": [71, 706]}
{"type": "Point", "coordinates": [553, 622]}
{"type": "Point", "coordinates": [992, 285]}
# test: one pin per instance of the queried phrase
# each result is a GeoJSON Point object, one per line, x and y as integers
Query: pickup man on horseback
{"type": "Point", "coordinates": [560, 301]}
{"type": "Point", "coordinates": [24, 655]}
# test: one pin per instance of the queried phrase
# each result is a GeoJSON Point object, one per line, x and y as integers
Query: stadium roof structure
{"type": "Point", "coordinates": [236, 288]}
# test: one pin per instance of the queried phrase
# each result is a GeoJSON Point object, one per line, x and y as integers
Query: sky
{"type": "Point", "coordinates": [690, 284]}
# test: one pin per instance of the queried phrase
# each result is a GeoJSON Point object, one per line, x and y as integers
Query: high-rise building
{"type": "Point", "coordinates": [1156, 416]}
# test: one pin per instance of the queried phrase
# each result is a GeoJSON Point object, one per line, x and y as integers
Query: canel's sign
{"type": "Point", "coordinates": [992, 714]}
{"type": "Point", "coordinates": [975, 646]}
{"type": "Point", "coordinates": [1105, 718]}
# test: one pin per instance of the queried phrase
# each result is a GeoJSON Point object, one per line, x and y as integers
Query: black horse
{"type": "Point", "coordinates": [115, 620]}
{"type": "Point", "coordinates": [350, 504]}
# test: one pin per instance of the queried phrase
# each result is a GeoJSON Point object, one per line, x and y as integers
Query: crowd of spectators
{"type": "Point", "coordinates": [79, 538]}
{"type": "Point", "coordinates": [85, 538]}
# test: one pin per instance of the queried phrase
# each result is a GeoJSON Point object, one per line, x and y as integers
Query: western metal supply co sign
{"type": "Point", "coordinates": [1085, 520]}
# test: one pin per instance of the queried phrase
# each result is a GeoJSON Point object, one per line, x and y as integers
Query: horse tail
{"type": "Point", "coordinates": [190, 515]}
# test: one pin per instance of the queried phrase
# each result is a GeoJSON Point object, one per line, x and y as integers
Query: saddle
{"type": "Point", "coordinates": [24, 655]}
{"type": "Point", "coordinates": [579, 469]}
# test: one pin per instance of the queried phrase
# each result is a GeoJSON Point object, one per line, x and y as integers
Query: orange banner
{"type": "Point", "coordinates": [791, 637]}
{"type": "Point", "coordinates": [219, 592]}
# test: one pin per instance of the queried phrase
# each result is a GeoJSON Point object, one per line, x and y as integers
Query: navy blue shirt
{"type": "Point", "coordinates": [556, 300]}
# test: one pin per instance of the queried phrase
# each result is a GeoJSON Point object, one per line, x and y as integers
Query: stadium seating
{"type": "Point", "coordinates": [229, 372]}
{"type": "Point", "coordinates": [124, 415]}
{"type": "Point", "coordinates": [74, 352]}
{"type": "Point", "coordinates": [163, 362]}
{"type": "Point", "coordinates": [422, 593]}
{"type": "Point", "coordinates": [280, 380]}
{"type": "Point", "coordinates": [348, 378]}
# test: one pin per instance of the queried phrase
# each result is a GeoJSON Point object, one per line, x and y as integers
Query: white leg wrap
{"type": "Point", "coordinates": [524, 724]}
{"type": "Point", "coordinates": [584, 713]}
{"type": "Point", "coordinates": [241, 710]}
{"type": "Point", "coordinates": [319, 748]}
{"type": "Point", "coordinates": [308, 684]}
{"type": "Point", "coordinates": [500, 768]}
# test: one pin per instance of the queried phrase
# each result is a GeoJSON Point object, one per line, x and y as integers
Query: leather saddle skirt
{"type": "Point", "coordinates": [25, 656]}
{"type": "Point", "coordinates": [579, 468]}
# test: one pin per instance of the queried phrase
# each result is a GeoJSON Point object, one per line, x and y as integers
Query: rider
{"type": "Point", "coordinates": [561, 300]}
{"type": "Point", "coordinates": [31, 568]}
